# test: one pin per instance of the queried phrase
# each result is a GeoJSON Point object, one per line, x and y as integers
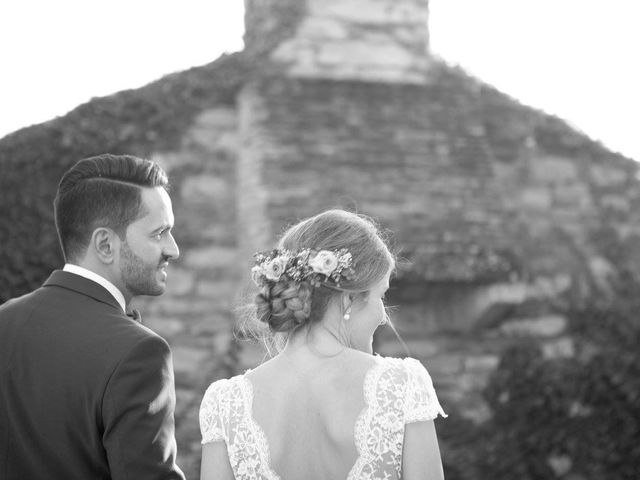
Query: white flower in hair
{"type": "Point", "coordinates": [256, 275]}
{"type": "Point", "coordinates": [325, 262]}
{"type": "Point", "coordinates": [275, 268]}
{"type": "Point", "coordinates": [316, 267]}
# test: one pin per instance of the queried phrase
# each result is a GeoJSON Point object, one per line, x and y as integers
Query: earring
{"type": "Point", "coordinates": [347, 314]}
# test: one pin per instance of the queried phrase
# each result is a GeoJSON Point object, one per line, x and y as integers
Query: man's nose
{"type": "Point", "coordinates": [171, 249]}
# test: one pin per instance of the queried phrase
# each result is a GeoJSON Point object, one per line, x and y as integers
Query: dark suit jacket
{"type": "Point", "coordinates": [85, 391]}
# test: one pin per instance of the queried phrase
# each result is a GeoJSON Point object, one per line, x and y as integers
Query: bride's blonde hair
{"type": "Point", "coordinates": [287, 306]}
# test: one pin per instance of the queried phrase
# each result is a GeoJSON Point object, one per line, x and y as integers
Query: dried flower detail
{"type": "Point", "coordinates": [318, 267]}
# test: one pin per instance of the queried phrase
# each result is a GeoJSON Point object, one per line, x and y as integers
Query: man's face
{"type": "Point", "coordinates": [148, 246]}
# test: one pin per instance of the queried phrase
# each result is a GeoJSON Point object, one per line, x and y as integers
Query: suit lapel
{"type": "Point", "coordinates": [82, 285]}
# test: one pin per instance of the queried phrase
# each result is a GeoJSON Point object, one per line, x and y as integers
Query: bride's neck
{"type": "Point", "coordinates": [320, 340]}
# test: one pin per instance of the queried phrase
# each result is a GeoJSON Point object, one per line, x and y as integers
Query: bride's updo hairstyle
{"type": "Point", "coordinates": [288, 305]}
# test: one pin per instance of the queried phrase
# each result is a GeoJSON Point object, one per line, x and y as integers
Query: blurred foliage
{"type": "Point", "coordinates": [139, 122]}
{"type": "Point", "coordinates": [574, 417]}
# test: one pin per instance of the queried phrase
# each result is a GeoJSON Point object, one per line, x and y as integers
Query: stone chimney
{"type": "Point", "coordinates": [366, 40]}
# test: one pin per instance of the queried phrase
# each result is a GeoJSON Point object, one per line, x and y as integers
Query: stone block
{"type": "Point", "coordinates": [550, 287]}
{"type": "Point", "coordinates": [538, 198]}
{"type": "Point", "coordinates": [382, 12]}
{"type": "Point", "coordinates": [222, 341]}
{"type": "Point", "coordinates": [185, 401]}
{"type": "Point", "coordinates": [216, 322]}
{"type": "Point", "coordinates": [186, 309]}
{"type": "Point", "coordinates": [472, 382]}
{"type": "Point", "coordinates": [616, 203]}
{"type": "Point", "coordinates": [560, 464]}
{"type": "Point", "coordinates": [477, 410]}
{"type": "Point", "coordinates": [481, 363]}
{"type": "Point", "coordinates": [355, 51]}
{"type": "Point", "coordinates": [170, 161]}
{"type": "Point", "coordinates": [206, 189]}
{"type": "Point", "coordinates": [223, 290]}
{"type": "Point", "coordinates": [445, 365]}
{"type": "Point", "coordinates": [167, 328]}
{"type": "Point", "coordinates": [179, 281]}
{"type": "Point", "coordinates": [603, 273]}
{"type": "Point", "coordinates": [210, 257]}
{"type": "Point", "coordinates": [190, 364]}
{"type": "Point", "coordinates": [560, 348]}
{"type": "Point", "coordinates": [573, 195]}
{"type": "Point", "coordinates": [326, 28]}
{"type": "Point", "coordinates": [554, 170]}
{"type": "Point", "coordinates": [484, 300]}
{"type": "Point", "coordinates": [606, 176]}
{"type": "Point", "coordinates": [421, 349]}
{"type": "Point", "coordinates": [215, 129]}
{"type": "Point", "coordinates": [544, 327]}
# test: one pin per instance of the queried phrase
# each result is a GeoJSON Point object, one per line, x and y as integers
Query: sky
{"type": "Point", "coordinates": [570, 58]}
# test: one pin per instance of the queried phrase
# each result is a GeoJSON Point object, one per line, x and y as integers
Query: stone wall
{"type": "Point", "coordinates": [422, 160]}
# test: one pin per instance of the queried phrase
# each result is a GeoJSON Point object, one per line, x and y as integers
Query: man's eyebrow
{"type": "Point", "coordinates": [162, 228]}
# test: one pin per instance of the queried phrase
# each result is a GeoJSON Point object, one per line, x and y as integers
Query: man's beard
{"type": "Point", "coordinates": [139, 277]}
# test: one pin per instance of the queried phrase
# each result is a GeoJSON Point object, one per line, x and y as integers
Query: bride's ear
{"type": "Point", "coordinates": [347, 301]}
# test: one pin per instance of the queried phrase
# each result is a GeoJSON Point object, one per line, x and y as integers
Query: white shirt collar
{"type": "Point", "coordinates": [111, 288]}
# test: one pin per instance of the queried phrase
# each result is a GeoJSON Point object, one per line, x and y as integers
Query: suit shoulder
{"type": "Point", "coordinates": [138, 341]}
{"type": "Point", "coordinates": [23, 301]}
{"type": "Point", "coordinates": [141, 333]}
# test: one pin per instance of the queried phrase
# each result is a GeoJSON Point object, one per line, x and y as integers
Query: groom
{"type": "Point", "coordinates": [86, 392]}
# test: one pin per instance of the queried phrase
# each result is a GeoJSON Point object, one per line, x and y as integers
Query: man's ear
{"type": "Point", "coordinates": [104, 243]}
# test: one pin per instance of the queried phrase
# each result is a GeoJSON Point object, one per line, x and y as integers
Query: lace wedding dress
{"type": "Point", "coordinates": [396, 392]}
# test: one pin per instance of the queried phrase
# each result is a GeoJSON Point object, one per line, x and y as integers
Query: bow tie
{"type": "Point", "coordinates": [135, 315]}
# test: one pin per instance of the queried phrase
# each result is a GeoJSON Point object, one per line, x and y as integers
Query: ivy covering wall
{"type": "Point", "coordinates": [140, 122]}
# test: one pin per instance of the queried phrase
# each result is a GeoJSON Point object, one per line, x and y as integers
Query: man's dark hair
{"type": "Point", "coordinates": [101, 191]}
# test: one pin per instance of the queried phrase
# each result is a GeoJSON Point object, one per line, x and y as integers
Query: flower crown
{"type": "Point", "coordinates": [318, 267]}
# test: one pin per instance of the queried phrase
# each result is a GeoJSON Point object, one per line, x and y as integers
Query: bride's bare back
{"type": "Point", "coordinates": [314, 417]}
{"type": "Point", "coordinates": [307, 407]}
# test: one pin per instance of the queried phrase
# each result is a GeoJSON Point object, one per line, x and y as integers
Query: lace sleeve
{"type": "Point", "coordinates": [214, 412]}
{"type": "Point", "coordinates": [421, 402]}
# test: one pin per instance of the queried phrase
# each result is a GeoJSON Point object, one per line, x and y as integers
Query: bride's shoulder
{"type": "Point", "coordinates": [405, 367]}
{"type": "Point", "coordinates": [216, 412]}
{"type": "Point", "coordinates": [406, 363]}
{"type": "Point", "coordinates": [222, 387]}
{"type": "Point", "coordinates": [421, 401]}
{"type": "Point", "coordinates": [409, 369]}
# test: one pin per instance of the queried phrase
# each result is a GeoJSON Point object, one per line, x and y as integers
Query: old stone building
{"type": "Point", "coordinates": [496, 209]}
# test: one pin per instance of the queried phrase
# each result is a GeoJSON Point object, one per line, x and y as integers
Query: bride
{"type": "Point", "coordinates": [324, 407]}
